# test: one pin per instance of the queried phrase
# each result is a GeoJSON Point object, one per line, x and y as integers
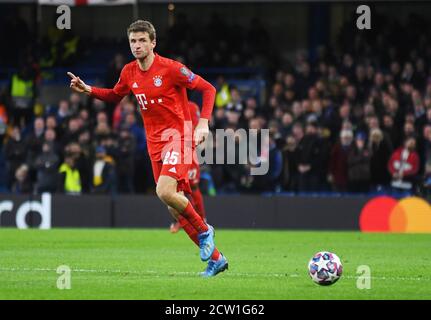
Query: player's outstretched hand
{"type": "Point", "coordinates": [201, 131]}
{"type": "Point", "coordinates": [78, 85]}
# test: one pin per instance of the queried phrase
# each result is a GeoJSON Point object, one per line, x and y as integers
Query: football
{"type": "Point", "coordinates": [325, 268]}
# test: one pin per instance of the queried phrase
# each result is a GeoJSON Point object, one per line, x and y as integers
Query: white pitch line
{"type": "Point", "coordinates": [185, 273]}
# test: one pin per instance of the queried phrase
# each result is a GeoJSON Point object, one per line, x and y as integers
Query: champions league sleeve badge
{"type": "Point", "coordinates": [187, 73]}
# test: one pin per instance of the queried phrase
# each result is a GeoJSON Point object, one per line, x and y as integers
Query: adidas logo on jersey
{"type": "Point", "coordinates": [135, 85]}
{"type": "Point", "coordinates": [173, 170]}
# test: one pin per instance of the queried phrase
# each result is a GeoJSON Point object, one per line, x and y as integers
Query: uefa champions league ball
{"type": "Point", "coordinates": [325, 268]}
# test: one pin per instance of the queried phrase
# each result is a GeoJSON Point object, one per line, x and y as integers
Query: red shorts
{"type": "Point", "coordinates": [173, 165]}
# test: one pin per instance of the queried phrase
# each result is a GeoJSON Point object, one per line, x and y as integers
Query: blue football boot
{"type": "Point", "coordinates": [206, 243]}
{"type": "Point", "coordinates": [215, 267]}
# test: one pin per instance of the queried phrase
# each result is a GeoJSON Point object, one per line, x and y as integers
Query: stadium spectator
{"type": "Point", "coordinates": [122, 109]}
{"type": "Point", "coordinates": [404, 166]}
{"type": "Point", "coordinates": [273, 157]}
{"type": "Point", "coordinates": [290, 165]}
{"type": "Point", "coordinates": [132, 125]}
{"type": "Point", "coordinates": [33, 143]}
{"type": "Point", "coordinates": [82, 161]}
{"type": "Point", "coordinates": [102, 131]}
{"type": "Point", "coordinates": [69, 178]}
{"type": "Point", "coordinates": [380, 155]}
{"type": "Point", "coordinates": [22, 92]}
{"type": "Point", "coordinates": [236, 103]}
{"type": "Point", "coordinates": [85, 120]}
{"type": "Point", "coordinates": [223, 94]}
{"type": "Point", "coordinates": [75, 103]}
{"type": "Point", "coordinates": [391, 130]}
{"type": "Point", "coordinates": [22, 183]}
{"type": "Point", "coordinates": [309, 160]}
{"type": "Point", "coordinates": [63, 113]}
{"type": "Point", "coordinates": [72, 131]}
{"type": "Point", "coordinates": [359, 165]}
{"type": "Point", "coordinates": [15, 154]}
{"type": "Point", "coordinates": [46, 165]}
{"type": "Point", "coordinates": [104, 176]}
{"type": "Point", "coordinates": [126, 162]}
{"type": "Point", "coordinates": [51, 123]}
{"type": "Point", "coordinates": [338, 163]}
{"type": "Point", "coordinates": [51, 137]}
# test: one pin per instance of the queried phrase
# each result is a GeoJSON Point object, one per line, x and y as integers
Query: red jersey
{"type": "Point", "coordinates": [161, 92]}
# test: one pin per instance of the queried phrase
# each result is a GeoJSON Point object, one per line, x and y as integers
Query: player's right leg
{"type": "Point", "coordinates": [167, 192]}
{"type": "Point", "coordinates": [215, 266]}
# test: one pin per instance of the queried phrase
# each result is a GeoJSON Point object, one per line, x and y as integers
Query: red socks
{"type": "Point", "coordinates": [198, 202]}
{"type": "Point", "coordinates": [193, 234]}
{"type": "Point", "coordinates": [194, 219]}
{"type": "Point", "coordinates": [188, 228]}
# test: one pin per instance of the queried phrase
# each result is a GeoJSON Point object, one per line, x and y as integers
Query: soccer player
{"type": "Point", "coordinates": [194, 175]}
{"type": "Point", "coordinates": [159, 85]}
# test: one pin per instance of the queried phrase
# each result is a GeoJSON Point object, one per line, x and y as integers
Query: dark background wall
{"type": "Point", "coordinates": [254, 212]}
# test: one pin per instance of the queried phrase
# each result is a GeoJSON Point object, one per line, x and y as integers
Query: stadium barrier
{"type": "Point", "coordinates": [369, 214]}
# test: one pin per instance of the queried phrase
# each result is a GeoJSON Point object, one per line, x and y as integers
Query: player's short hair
{"type": "Point", "coordinates": [142, 26]}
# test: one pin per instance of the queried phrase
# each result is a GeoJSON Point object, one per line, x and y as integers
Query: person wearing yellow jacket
{"type": "Point", "coordinates": [70, 178]}
{"type": "Point", "coordinates": [22, 94]}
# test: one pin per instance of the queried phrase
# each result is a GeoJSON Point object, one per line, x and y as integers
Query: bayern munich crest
{"type": "Point", "coordinates": [157, 81]}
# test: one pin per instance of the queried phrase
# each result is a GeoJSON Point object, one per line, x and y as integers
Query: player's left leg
{"type": "Point", "coordinates": [198, 201]}
{"type": "Point", "coordinates": [175, 226]}
{"type": "Point", "coordinates": [167, 192]}
{"type": "Point", "coordinates": [195, 196]}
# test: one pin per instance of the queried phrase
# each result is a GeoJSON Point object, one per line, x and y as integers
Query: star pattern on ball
{"type": "Point", "coordinates": [322, 264]}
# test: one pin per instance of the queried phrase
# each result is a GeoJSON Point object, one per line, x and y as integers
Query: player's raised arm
{"type": "Point", "coordinates": [78, 85]}
{"type": "Point", "coordinates": [108, 95]}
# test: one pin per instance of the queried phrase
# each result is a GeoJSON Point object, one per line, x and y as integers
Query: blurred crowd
{"type": "Point", "coordinates": [355, 117]}
{"type": "Point", "coordinates": [78, 148]}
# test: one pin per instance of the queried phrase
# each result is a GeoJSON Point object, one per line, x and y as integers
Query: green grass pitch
{"type": "Point", "coordinates": [154, 264]}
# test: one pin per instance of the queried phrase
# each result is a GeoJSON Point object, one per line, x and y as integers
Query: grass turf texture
{"type": "Point", "coordinates": [154, 264]}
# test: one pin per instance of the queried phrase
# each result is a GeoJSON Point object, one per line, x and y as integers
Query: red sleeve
{"type": "Point", "coordinates": [415, 165]}
{"type": "Point", "coordinates": [208, 97]}
{"type": "Point", "coordinates": [107, 95]}
{"type": "Point", "coordinates": [114, 95]}
{"type": "Point", "coordinates": [185, 78]}
{"type": "Point", "coordinates": [182, 76]}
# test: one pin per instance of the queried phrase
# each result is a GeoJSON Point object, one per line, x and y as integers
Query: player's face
{"type": "Point", "coordinates": [140, 44]}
